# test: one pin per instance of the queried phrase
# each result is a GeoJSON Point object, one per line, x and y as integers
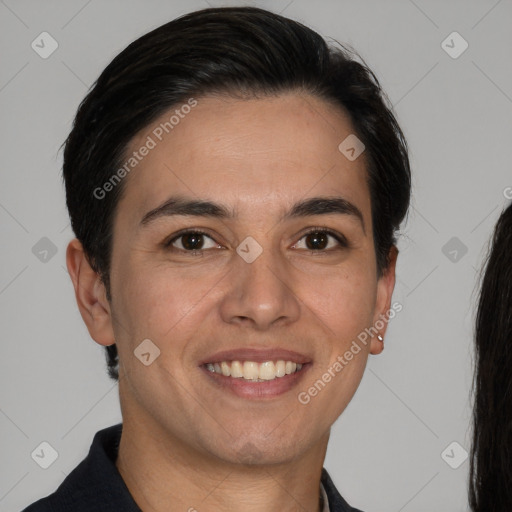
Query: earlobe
{"type": "Point", "coordinates": [90, 294]}
{"type": "Point", "coordinates": [385, 287]}
{"type": "Point", "coordinates": [377, 344]}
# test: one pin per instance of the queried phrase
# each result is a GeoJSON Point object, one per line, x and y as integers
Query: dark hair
{"type": "Point", "coordinates": [490, 479]}
{"type": "Point", "coordinates": [238, 51]}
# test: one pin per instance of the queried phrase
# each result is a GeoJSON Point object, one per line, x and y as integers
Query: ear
{"type": "Point", "coordinates": [385, 287]}
{"type": "Point", "coordinates": [90, 294]}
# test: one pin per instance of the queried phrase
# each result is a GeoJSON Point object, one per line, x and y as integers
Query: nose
{"type": "Point", "coordinates": [260, 294]}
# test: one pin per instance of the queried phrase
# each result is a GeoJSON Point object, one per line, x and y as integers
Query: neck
{"type": "Point", "coordinates": [163, 475]}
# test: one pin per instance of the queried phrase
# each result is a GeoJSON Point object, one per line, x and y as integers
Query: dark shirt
{"type": "Point", "coordinates": [96, 484]}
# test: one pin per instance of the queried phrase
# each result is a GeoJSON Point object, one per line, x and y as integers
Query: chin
{"type": "Point", "coordinates": [259, 449]}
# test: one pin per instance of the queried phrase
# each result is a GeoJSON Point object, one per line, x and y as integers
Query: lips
{"type": "Point", "coordinates": [239, 371]}
{"type": "Point", "coordinates": [256, 355]}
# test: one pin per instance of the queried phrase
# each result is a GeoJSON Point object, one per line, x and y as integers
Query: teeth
{"type": "Point", "coordinates": [236, 369]}
{"type": "Point", "coordinates": [226, 370]}
{"type": "Point", "coordinates": [290, 367]}
{"type": "Point", "coordinates": [251, 370]}
{"type": "Point", "coordinates": [256, 372]}
{"type": "Point", "coordinates": [280, 368]}
{"type": "Point", "coordinates": [267, 371]}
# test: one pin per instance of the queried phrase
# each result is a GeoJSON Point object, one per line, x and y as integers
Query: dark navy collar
{"type": "Point", "coordinates": [96, 484]}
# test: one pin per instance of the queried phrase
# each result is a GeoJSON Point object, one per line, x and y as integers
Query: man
{"type": "Point", "coordinates": [234, 185]}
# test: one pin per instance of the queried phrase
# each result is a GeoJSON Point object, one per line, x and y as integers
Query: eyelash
{"type": "Point", "coordinates": [342, 241]}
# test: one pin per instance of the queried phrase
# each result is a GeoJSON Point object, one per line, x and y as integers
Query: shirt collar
{"type": "Point", "coordinates": [325, 499]}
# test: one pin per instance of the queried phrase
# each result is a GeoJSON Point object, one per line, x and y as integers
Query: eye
{"type": "Point", "coordinates": [191, 241]}
{"type": "Point", "coordinates": [195, 241]}
{"type": "Point", "coordinates": [319, 239]}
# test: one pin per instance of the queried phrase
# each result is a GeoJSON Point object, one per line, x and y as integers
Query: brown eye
{"type": "Point", "coordinates": [317, 240]}
{"type": "Point", "coordinates": [190, 241]}
{"type": "Point", "coordinates": [321, 240]}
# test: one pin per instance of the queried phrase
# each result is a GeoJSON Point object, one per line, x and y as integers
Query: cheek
{"type": "Point", "coordinates": [163, 304]}
{"type": "Point", "coordinates": [343, 299]}
{"type": "Point", "coordinates": [139, 300]}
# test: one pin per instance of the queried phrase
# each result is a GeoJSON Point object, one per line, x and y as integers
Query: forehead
{"type": "Point", "coordinates": [267, 151]}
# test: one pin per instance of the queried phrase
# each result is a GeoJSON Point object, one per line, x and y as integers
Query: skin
{"type": "Point", "coordinates": [187, 444]}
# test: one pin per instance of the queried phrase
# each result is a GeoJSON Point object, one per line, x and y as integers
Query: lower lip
{"type": "Point", "coordinates": [258, 390]}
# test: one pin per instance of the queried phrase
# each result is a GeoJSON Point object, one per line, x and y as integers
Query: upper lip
{"type": "Point", "coordinates": [257, 355]}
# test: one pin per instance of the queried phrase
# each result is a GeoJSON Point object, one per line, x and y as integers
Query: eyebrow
{"type": "Point", "coordinates": [178, 205]}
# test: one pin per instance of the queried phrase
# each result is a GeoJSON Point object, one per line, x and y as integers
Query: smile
{"type": "Point", "coordinates": [254, 371]}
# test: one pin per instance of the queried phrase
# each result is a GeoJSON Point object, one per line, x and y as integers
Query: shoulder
{"type": "Point", "coordinates": [42, 505]}
{"type": "Point", "coordinates": [336, 502]}
{"type": "Point", "coordinates": [39, 506]}
{"type": "Point", "coordinates": [69, 494]}
{"type": "Point", "coordinates": [95, 484]}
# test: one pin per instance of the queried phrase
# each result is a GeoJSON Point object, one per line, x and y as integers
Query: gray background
{"type": "Point", "coordinates": [414, 400]}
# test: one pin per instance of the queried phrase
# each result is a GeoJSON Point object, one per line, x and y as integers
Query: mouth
{"type": "Point", "coordinates": [254, 371]}
{"type": "Point", "coordinates": [256, 374]}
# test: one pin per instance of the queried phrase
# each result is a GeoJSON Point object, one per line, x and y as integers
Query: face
{"type": "Point", "coordinates": [277, 264]}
